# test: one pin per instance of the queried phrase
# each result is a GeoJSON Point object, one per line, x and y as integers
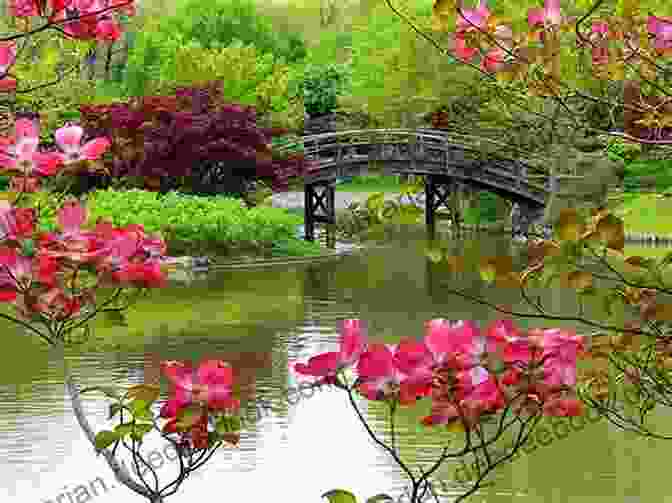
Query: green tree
{"type": "Point", "coordinates": [218, 23]}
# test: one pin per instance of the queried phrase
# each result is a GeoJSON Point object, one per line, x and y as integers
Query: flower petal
{"type": "Point", "coordinates": [320, 365]}
{"type": "Point", "coordinates": [95, 148]}
{"type": "Point", "coordinates": [71, 216]}
{"type": "Point", "coordinates": [68, 138]}
{"type": "Point", "coordinates": [376, 362]}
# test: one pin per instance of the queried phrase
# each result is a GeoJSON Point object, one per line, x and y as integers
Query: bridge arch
{"type": "Point", "coordinates": [442, 158]}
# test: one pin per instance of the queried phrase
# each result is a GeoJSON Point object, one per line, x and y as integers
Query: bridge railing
{"type": "Point", "coordinates": [433, 151]}
{"type": "Point", "coordinates": [313, 144]}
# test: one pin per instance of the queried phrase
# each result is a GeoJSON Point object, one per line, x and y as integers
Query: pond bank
{"type": "Point", "coordinates": [186, 269]}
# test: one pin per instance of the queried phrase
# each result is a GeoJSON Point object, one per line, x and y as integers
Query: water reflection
{"type": "Point", "coordinates": [303, 449]}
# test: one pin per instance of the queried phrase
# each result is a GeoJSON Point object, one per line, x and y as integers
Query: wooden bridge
{"type": "Point", "coordinates": [446, 160]}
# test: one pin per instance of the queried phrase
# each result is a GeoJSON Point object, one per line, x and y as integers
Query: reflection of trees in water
{"type": "Point", "coordinates": [320, 280]}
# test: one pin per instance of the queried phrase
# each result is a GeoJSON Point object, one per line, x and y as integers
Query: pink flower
{"type": "Point", "coordinates": [461, 50]}
{"type": "Point", "coordinates": [23, 8]}
{"type": "Point", "coordinates": [108, 30]}
{"type": "Point", "coordinates": [476, 20]}
{"type": "Point", "coordinates": [69, 140]}
{"type": "Point", "coordinates": [16, 223]}
{"type": "Point", "coordinates": [478, 389]}
{"type": "Point", "coordinates": [208, 387]}
{"type": "Point", "coordinates": [548, 15]}
{"type": "Point", "coordinates": [493, 60]}
{"type": "Point", "coordinates": [561, 349]}
{"type": "Point", "coordinates": [473, 19]}
{"type": "Point", "coordinates": [557, 348]}
{"type": "Point", "coordinates": [415, 361]}
{"type": "Point", "coordinates": [547, 18]}
{"type": "Point", "coordinates": [15, 273]}
{"type": "Point", "coordinates": [379, 377]}
{"type": "Point", "coordinates": [481, 393]}
{"type": "Point", "coordinates": [85, 27]}
{"type": "Point", "coordinates": [70, 217]}
{"type": "Point", "coordinates": [459, 344]}
{"type": "Point", "coordinates": [211, 385]}
{"type": "Point", "coordinates": [20, 152]}
{"type": "Point", "coordinates": [73, 243]}
{"type": "Point", "coordinates": [7, 59]}
{"type": "Point", "coordinates": [598, 37]}
{"type": "Point", "coordinates": [326, 365]}
{"type": "Point", "coordinates": [662, 28]}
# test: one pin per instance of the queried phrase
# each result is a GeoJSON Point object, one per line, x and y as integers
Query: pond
{"type": "Point", "coordinates": [259, 320]}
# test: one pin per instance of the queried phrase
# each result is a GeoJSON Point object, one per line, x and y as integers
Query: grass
{"type": "Point", "coordinates": [374, 183]}
{"type": "Point", "coordinates": [646, 213]}
{"type": "Point", "coordinates": [656, 252]}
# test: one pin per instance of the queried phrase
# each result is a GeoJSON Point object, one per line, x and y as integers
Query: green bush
{"type": "Point", "coordinates": [152, 50]}
{"type": "Point", "coordinates": [259, 64]}
{"type": "Point", "coordinates": [619, 150]}
{"type": "Point", "coordinates": [321, 87]}
{"type": "Point", "coordinates": [216, 24]}
{"type": "Point", "coordinates": [487, 206]}
{"type": "Point", "coordinates": [199, 223]}
{"type": "Point", "coordinates": [654, 174]}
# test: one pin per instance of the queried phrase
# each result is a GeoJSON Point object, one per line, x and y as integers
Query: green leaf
{"type": "Point", "coordinates": [123, 429]}
{"type": "Point", "coordinates": [340, 496]}
{"type": "Point", "coordinates": [141, 409]}
{"type": "Point", "coordinates": [105, 438]}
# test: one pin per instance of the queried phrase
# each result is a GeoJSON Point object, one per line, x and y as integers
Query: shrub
{"type": "Point", "coordinates": [648, 174]}
{"type": "Point", "coordinates": [209, 25]}
{"type": "Point", "coordinates": [619, 150]}
{"type": "Point", "coordinates": [198, 223]}
{"type": "Point", "coordinates": [261, 80]}
{"type": "Point", "coordinates": [487, 206]}
{"type": "Point", "coordinates": [322, 86]}
{"type": "Point", "coordinates": [152, 49]}
{"type": "Point", "coordinates": [168, 138]}
{"type": "Point", "coordinates": [216, 24]}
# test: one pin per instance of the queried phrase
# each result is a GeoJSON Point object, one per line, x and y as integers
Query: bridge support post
{"type": "Point", "coordinates": [434, 198]}
{"type": "Point", "coordinates": [522, 217]}
{"type": "Point", "coordinates": [324, 200]}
